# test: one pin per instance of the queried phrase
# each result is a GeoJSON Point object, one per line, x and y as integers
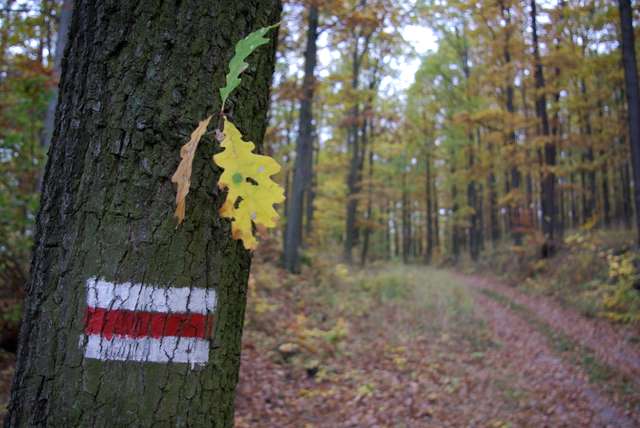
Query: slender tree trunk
{"type": "Point", "coordinates": [352, 176]}
{"type": "Point", "coordinates": [472, 195]}
{"type": "Point", "coordinates": [479, 208]}
{"type": "Point", "coordinates": [493, 206]}
{"type": "Point", "coordinates": [549, 211]}
{"type": "Point", "coordinates": [311, 191]}
{"type": "Point", "coordinates": [589, 173]}
{"type": "Point", "coordinates": [387, 229]}
{"type": "Point", "coordinates": [455, 207]}
{"type": "Point", "coordinates": [604, 171]}
{"type": "Point", "coordinates": [418, 248]}
{"type": "Point", "coordinates": [514, 207]}
{"type": "Point", "coordinates": [574, 204]}
{"type": "Point", "coordinates": [556, 129]}
{"type": "Point", "coordinates": [436, 210]}
{"type": "Point", "coordinates": [287, 171]}
{"type": "Point", "coordinates": [633, 98]}
{"type": "Point", "coordinates": [561, 210]}
{"type": "Point", "coordinates": [63, 29]}
{"type": "Point", "coordinates": [508, 225]}
{"type": "Point", "coordinates": [131, 92]}
{"type": "Point", "coordinates": [606, 197]}
{"type": "Point", "coordinates": [369, 212]}
{"type": "Point", "coordinates": [531, 207]}
{"type": "Point", "coordinates": [428, 255]}
{"type": "Point", "coordinates": [396, 232]}
{"type": "Point", "coordinates": [406, 221]}
{"type": "Point", "coordinates": [304, 149]}
{"type": "Point", "coordinates": [354, 144]}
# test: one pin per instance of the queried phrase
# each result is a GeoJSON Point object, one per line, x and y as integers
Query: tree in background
{"type": "Point", "coordinates": [66, 10]}
{"type": "Point", "coordinates": [28, 35]}
{"type": "Point", "coordinates": [303, 166]}
{"type": "Point", "coordinates": [633, 97]}
{"type": "Point", "coordinates": [135, 80]}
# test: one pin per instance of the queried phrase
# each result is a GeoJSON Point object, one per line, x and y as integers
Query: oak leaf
{"type": "Point", "coordinates": [251, 191]}
{"type": "Point", "coordinates": [182, 176]}
{"type": "Point", "coordinates": [244, 48]}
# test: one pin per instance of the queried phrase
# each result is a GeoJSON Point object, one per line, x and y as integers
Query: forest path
{"type": "Point", "coordinates": [615, 345]}
{"type": "Point", "coordinates": [422, 347]}
{"type": "Point", "coordinates": [589, 361]}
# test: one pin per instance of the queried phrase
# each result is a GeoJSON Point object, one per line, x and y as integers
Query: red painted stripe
{"type": "Point", "coordinates": [108, 323]}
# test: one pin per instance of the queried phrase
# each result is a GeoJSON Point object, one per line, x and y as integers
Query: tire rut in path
{"type": "Point", "coordinates": [565, 386]}
{"type": "Point", "coordinates": [611, 344]}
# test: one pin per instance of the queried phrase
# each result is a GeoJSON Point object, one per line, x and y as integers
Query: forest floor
{"type": "Point", "coordinates": [418, 347]}
{"type": "Point", "coordinates": [398, 346]}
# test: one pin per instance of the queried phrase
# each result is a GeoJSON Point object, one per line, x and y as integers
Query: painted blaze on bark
{"type": "Point", "coordinates": [137, 77]}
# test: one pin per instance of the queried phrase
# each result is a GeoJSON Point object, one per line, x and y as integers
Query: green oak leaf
{"type": "Point", "coordinates": [244, 48]}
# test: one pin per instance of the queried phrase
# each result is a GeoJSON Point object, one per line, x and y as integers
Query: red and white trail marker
{"type": "Point", "coordinates": [135, 322]}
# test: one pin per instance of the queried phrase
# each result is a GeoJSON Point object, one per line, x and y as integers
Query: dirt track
{"type": "Point", "coordinates": [528, 348]}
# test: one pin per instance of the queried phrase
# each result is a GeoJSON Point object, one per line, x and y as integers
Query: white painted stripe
{"type": "Point", "coordinates": [138, 297]}
{"type": "Point", "coordinates": [147, 349]}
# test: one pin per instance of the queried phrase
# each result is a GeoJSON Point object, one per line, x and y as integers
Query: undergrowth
{"type": "Point", "coordinates": [596, 272]}
{"type": "Point", "coordinates": [322, 312]}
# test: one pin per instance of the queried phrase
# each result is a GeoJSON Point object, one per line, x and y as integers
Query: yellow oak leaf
{"type": "Point", "coordinates": [251, 192]}
{"type": "Point", "coordinates": [182, 176]}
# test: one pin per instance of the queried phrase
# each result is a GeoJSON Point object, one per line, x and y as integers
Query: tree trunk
{"type": "Point", "coordinates": [311, 191]}
{"type": "Point", "coordinates": [514, 206]}
{"type": "Point", "coordinates": [406, 221]}
{"type": "Point", "coordinates": [633, 99]}
{"type": "Point", "coordinates": [396, 232]}
{"type": "Point", "coordinates": [63, 29]}
{"type": "Point", "coordinates": [137, 77]}
{"type": "Point", "coordinates": [369, 212]}
{"type": "Point", "coordinates": [606, 198]}
{"type": "Point", "coordinates": [436, 210]}
{"type": "Point", "coordinates": [455, 233]}
{"type": "Point", "coordinates": [387, 229]}
{"type": "Point", "coordinates": [472, 196]}
{"type": "Point", "coordinates": [304, 149]}
{"type": "Point", "coordinates": [625, 176]}
{"type": "Point", "coordinates": [575, 221]}
{"type": "Point", "coordinates": [355, 146]}
{"type": "Point", "coordinates": [493, 205]}
{"type": "Point", "coordinates": [479, 208]}
{"type": "Point", "coordinates": [589, 172]}
{"type": "Point", "coordinates": [549, 211]}
{"type": "Point", "coordinates": [287, 169]}
{"type": "Point", "coordinates": [428, 254]}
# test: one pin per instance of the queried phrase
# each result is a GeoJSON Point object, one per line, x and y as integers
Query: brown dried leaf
{"type": "Point", "coordinates": [182, 176]}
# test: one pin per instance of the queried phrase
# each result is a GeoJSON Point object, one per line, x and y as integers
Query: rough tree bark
{"type": "Point", "coordinates": [136, 78]}
{"type": "Point", "coordinates": [633, 98]}
{"type": "Point", "coordinates": [304, 150]}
